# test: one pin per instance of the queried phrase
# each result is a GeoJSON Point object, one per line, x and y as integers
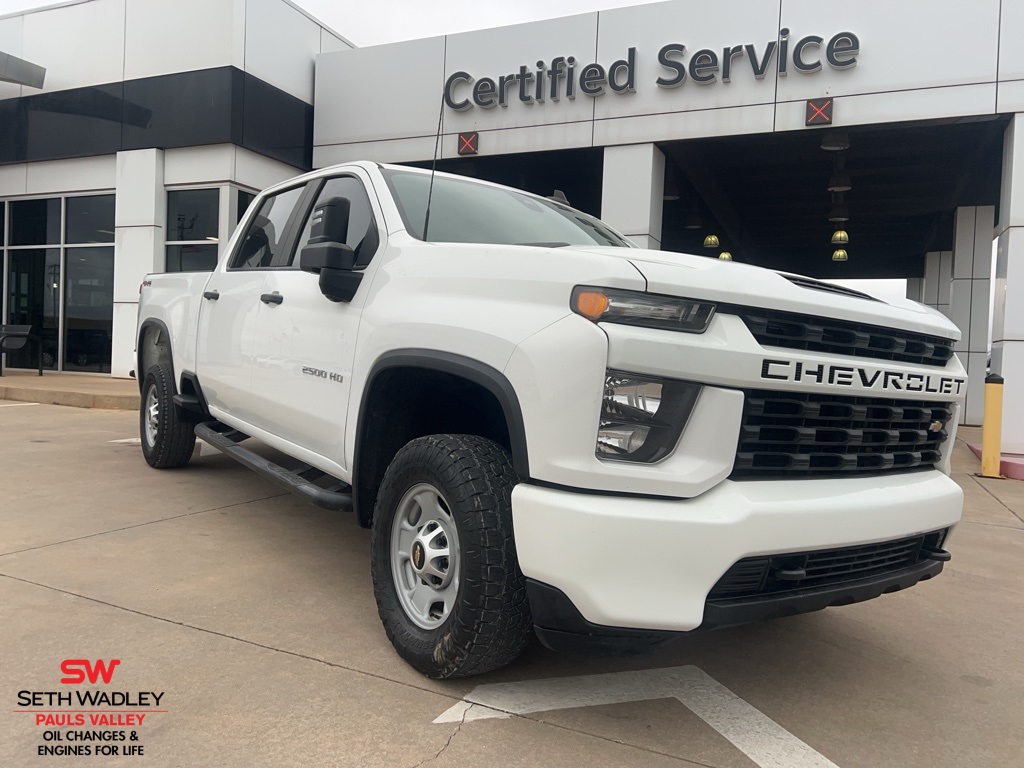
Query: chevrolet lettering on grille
{"type": "Point", "coordinates": [855, 376]}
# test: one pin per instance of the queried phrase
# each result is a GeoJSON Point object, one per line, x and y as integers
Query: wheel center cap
{"type": "Point", "coordinates": [418, 556]}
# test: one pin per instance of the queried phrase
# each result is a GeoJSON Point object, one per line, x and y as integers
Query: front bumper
{"type": "Point", "coordinates": [649, 564]}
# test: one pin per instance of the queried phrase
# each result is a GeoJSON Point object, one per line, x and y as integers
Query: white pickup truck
{"type": "Point", "coordinates": [550, 430]}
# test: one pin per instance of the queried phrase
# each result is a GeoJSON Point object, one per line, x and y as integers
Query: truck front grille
{"type": "Point", "coordinates": [840, 337]}
{"type": "Point", "coordinates": [793, 434]}
{"type": "Point", "coordinates": [770, 575]}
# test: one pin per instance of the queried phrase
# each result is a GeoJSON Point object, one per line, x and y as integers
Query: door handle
{"type": "Point", "coordinates": [211, 295]}
{"type": "Point", "coordinates": [271, 298]}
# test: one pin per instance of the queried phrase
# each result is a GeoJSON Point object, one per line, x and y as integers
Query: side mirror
{"type": "Point", "coordinates": [327, 248]}
{"type": "Point", "coordinates": [328, 255]}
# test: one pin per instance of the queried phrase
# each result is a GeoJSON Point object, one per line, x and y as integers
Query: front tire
{"type": "Point", "coordinates": [167, 441]}
{"type": "Point", "coordinates": [445, 574]}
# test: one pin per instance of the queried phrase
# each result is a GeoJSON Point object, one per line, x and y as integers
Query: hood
{"type": "Point", "coordinates": [729, 282]}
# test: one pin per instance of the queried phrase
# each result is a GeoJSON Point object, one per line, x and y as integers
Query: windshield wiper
{"type": "Point", "coordinates": [546, 245]}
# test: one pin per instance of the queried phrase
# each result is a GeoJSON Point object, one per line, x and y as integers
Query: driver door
{"type": "Point", "coordinates": [305, 344]}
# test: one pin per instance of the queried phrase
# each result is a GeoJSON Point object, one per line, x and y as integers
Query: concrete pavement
{"type": "Point", "coordinates": [253, 614]}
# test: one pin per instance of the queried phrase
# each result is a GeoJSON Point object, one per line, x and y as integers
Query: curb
{"type": "Point", "coordinates": [73, 399]}
{"type": "Point", "coordinates": [1010, 465]}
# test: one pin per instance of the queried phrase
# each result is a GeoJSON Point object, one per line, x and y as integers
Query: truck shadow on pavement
{"type": "Point", "coordinates": [313, 594]}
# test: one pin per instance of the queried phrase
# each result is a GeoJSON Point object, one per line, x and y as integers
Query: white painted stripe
{"type": "Point", "coordinates": [15, 405]}
{"type": "Point", "coordinates": [751, 731]}
{"type": "Point", "coordinates": [128, 441]}
{"type": "Point", "coordinates": [464, 712]}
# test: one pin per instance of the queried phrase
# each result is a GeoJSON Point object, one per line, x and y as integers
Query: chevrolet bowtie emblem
{"type": "Point", "coordinates": [418, 555]}
{"type": "Point", "coordinates": [935, 426]}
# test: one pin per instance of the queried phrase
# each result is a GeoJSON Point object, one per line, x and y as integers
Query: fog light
{"type": "Point", "coordinates": [642, 417]}
{"type": "Point", "coordinates": [621, 439]}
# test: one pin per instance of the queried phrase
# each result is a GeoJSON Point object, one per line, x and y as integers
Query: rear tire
{"type": "Point", "coordinates": [167, 441]}
{"type": "Point", "coordinates": [446, 578]}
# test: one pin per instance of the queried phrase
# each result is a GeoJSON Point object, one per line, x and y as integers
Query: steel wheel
{"type": "Point", "coordinates": [151, 416]}
{"type": "Point", "coordinates": [446, 579]}
{"type": "Point", "coordinates": [425, 556]}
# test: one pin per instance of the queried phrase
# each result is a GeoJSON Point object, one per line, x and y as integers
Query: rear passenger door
{"type": "Point", "coordinates": [305, 344]}
{"type": "Point", "coordinates": [227, 319]}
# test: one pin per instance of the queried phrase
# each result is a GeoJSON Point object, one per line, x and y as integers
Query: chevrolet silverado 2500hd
{"type": "Point", "coordinates": [548, 429]}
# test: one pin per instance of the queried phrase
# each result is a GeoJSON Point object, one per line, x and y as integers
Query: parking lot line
{"type": "Point", "coordinates": [751, 731]}
{"type": "Point", "coordinates": [15, 405]}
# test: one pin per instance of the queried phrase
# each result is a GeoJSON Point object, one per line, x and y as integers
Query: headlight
{"type": "Point", "coordinates": [608, 305]}
{"type": "Point", "coordinates": [642, 417]}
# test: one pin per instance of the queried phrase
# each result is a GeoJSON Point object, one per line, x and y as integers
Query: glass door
{"type": "Point", "coordinates": [88, 309]}
{"type": "Point", "coordinates": [33, 298]}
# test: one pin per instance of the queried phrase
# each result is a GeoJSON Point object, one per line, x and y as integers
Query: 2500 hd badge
{"type": "Point", "coordinates": [869, 378]}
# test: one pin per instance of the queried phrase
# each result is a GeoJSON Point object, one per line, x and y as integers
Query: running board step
{"type": "Point", "coordinates": [227, 440]}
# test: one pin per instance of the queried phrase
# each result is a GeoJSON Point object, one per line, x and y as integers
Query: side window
{"type": "Point", "coordinates": [362, 229]}
{"type": "Point", "coordinates": [262, 247]}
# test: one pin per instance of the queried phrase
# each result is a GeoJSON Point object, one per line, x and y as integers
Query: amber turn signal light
{"type": "Point", "coordinates": [591, 304]}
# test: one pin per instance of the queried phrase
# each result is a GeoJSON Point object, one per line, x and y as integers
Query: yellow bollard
{"type": "Point", "coordinates": [992, 426]}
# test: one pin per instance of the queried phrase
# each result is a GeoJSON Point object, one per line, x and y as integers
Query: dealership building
{"type": "Point", "coordinates": [862, 140]}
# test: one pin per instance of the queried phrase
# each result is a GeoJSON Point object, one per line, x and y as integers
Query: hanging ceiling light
{"type": "Point", "coordinates": [840, 180]}
{"type": "Point", "coordinates": [840, 254]}
{"type": "Point", "coordinates": [835, 140]}
{"type": "Point", "coordinates": [725, 256]}
{"type": "Point", "coordinates": [711, 241]}
{"type": "Point", "coordinates": [839, 211]}
{"type": "Point", "coordinates": [840, 237]}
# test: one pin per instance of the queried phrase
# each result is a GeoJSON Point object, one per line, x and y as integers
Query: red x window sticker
{"type": "Point", "coordinates": [819, 112]}
{"type": "Point", "coordinates": [469, 143]}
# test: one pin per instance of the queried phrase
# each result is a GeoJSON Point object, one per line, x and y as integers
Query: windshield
{"type": "Point", "coordinates": [467, 212]}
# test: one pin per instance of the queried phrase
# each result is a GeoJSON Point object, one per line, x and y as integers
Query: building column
{"type": "Point", "coordinates": [633, 191]}
{"type": "Point", "coordinates": [969, 300]}
{"type": "Point", "coordinates": [915, 289]}
{"type": "Point", "coordinates": [139, 220]}
{"type": "Point", "coordinates": [1008, 314]}
{"type": "Point", "coordinates": [938, 270]}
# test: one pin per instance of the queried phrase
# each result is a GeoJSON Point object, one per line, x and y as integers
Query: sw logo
{"type": "Point", "coordinates": [77, 670]}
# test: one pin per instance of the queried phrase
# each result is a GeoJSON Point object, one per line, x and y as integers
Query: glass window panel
{"type": "Point", "coordinates": [192, 258]}
{"type": "Point", "coordinates": [192, 214]}
{"type": "Point", "coordinates": [262, 246]}
{"type": "Point", "coordinates": [89, 219]}
{"type": "Point", "coordinates": [33, 297]}
{"type": "Point", "coordinates": [3, 236]}
{"type": "Point", "coordinates": [35, 222]}
{"type": "Point", "coordinates": [88, 308]}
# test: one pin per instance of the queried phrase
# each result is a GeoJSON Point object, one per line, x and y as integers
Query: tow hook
{"type": "Point", "coordinates": [937, 553]}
